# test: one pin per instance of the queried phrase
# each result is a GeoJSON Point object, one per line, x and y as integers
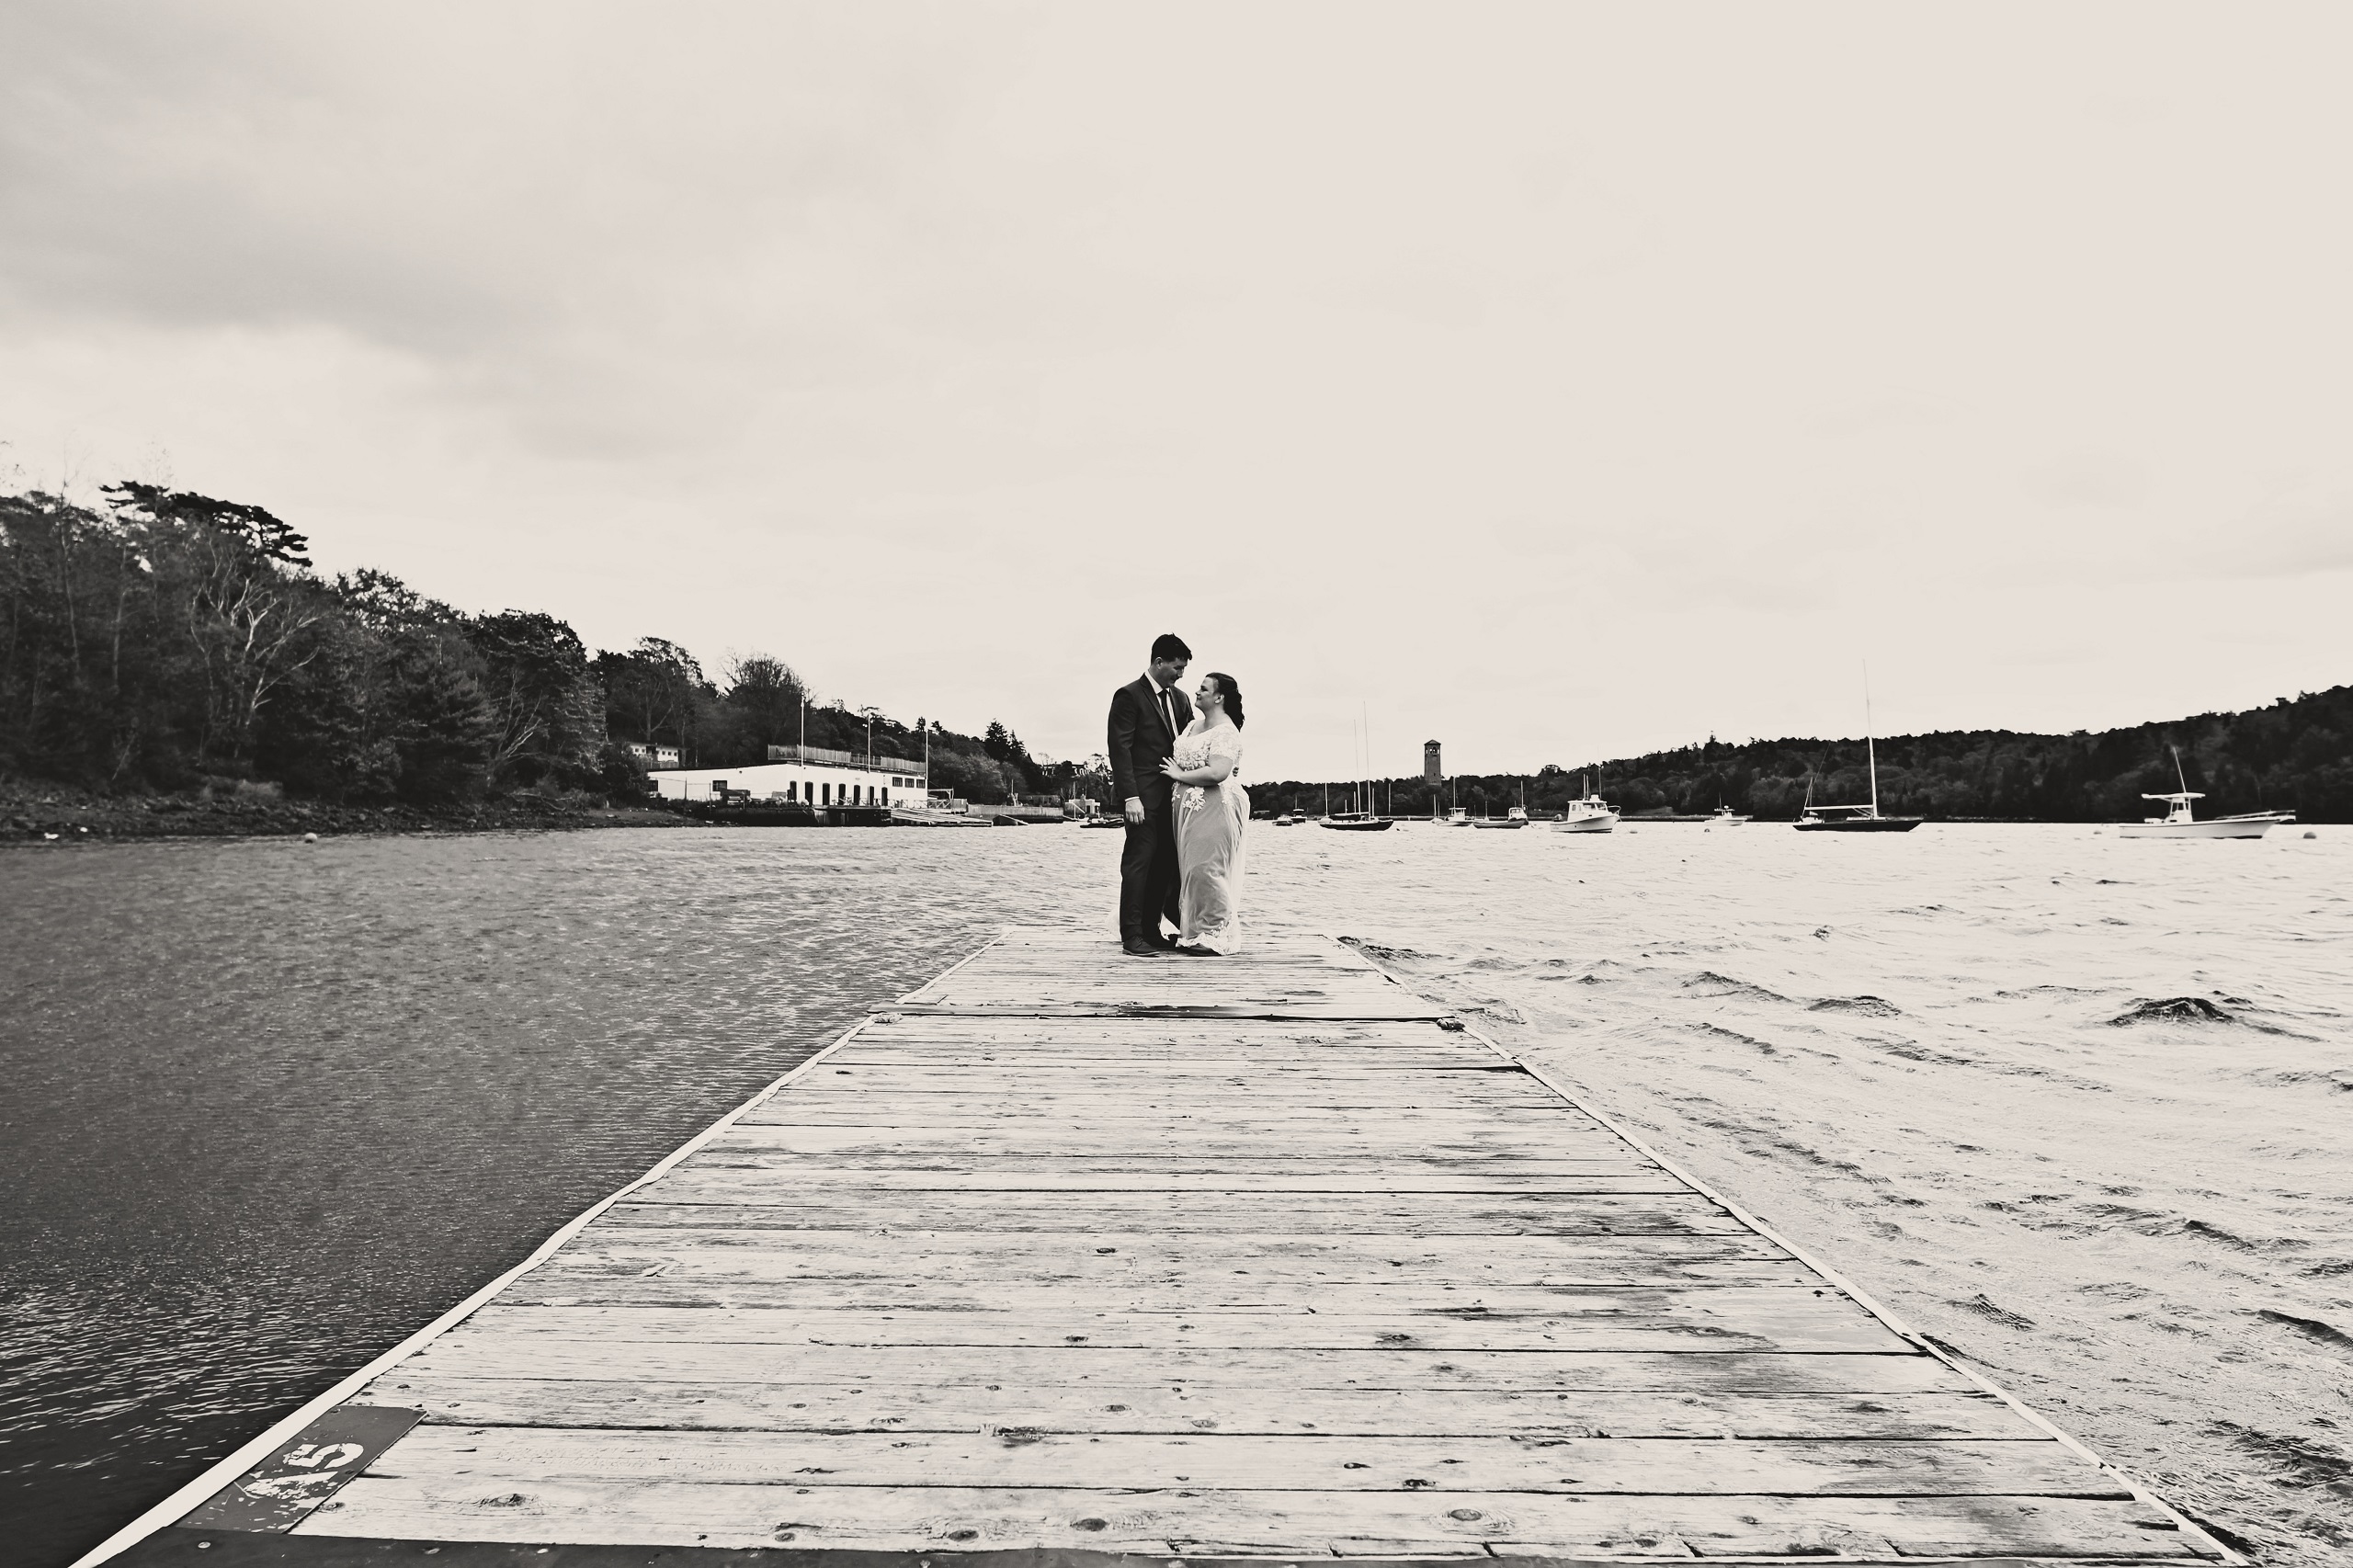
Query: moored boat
{"type": "Point", "coordinates": [1515, 817]}
{"type": "Point", "coordinates": [1855, 819]}
{"type": "Point", "coordinates": [1724, 816]}
{"type": "Point", "coordinates": [2178, 822]}
{"type": "Point", "coordinates": [1588, 813]}
{"type": "Point", "coordinates": [2181, 822]}
{"type": "Point", "coordinates": [1852, 819]}
{"type": "Point", "coordinates": [1356, 822]}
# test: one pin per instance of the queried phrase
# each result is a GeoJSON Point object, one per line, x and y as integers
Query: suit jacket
{"type": "Point", "coordinates": [1138, 741]}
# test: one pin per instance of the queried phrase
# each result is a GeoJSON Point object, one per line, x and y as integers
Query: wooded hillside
{"type": "Point", "coordinates": [168, 641]}
{"type": "Point", "coordinates": [2297, 753]}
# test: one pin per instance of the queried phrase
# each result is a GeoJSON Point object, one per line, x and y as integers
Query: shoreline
{"type": "Point", "coordinates": [38, 815]}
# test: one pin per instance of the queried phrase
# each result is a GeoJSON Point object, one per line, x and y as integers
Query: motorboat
{"type": "Point", "coordinates": [1724, 816]}
{"type": "Point", "coordinates": [1590, 814]}
{"type": "Point", "coordinates": [1515, 817]}
{"type": "Point", "coordinates": [2179, 822]}
{"type": "Point", "coordinates": [1587, 813]}
{"type": "Point", "coordinates": [1459, 817]}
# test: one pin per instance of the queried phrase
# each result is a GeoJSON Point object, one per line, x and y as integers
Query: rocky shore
{"type": "Point", "coordinates": [50, 814]}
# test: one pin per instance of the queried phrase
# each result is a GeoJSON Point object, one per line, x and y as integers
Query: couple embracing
{"type": "Point", "coordinates": [1174, 768]}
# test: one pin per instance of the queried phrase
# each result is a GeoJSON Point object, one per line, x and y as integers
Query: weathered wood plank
{"type": "Point", "coordinates": [648, 1403]}
{"type": "Point", "coordinates": [1279, 1063]}
{"type": "Point", "coordinates": [1284, 1065]}
{"type": "Point", "coordinates": [1026, 1458]}
{"type": "Point", "coordinates": [509, 1347]}
{"type": "Point", "coordinates": [1291, 1293]}
{"type": "Point", "coordinates": [1128, 1258]}
{"type": "Point", "coordinates": [1462, 1140]}
{"type": "Point", "coordinates": [1553, 1214]}
{"type": "Point", "coordinates": [1104, 1152]}
{"type": "Point", "coordinates": [796, 1174]}
{"type": "Point", "coordinates": [1301, 1204]}
{"type": "Point", "coordinates": [1119, 1256]}
{"type": "Point", "coordinates": [1723, 1319]}
{"type": "Point", "coordinates": [904, 1072]}
{"type": "Point", "coordinates": [1352, 1523]}
{"type": "Point", "coordinates": [1229, 1293]}
{"type": "Point", "coordinates": [1147, 1125]}
{"type": "Point", "coordinates": [1023, 1094]}
{"type": "Point", "coordinates": [1253, 1002]}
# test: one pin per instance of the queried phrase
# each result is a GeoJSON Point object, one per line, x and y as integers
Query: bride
{"type": "Point", "coordinates": [1211, 807]}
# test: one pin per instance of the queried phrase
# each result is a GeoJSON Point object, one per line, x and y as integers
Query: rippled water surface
{"type": "Point", "coordinates": [270, 1107]}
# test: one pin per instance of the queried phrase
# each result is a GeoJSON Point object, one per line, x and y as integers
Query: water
{"type": "Point", "coordinates": [270, 1107]}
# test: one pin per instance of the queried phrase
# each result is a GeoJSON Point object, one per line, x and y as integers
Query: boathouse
{"type": "Point", "coordinates": [817, 776]}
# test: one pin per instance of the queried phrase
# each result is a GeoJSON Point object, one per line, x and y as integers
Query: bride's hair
{"type": "Point", "coordinates": [1229, 691]}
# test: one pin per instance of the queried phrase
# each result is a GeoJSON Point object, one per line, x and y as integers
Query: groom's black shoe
{"type": "Point", "coordinates": [1167, 944]}
{"type": "Point", "coordinates": [1136, 946]}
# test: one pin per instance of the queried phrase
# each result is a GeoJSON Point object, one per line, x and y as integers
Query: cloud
{"type": "Point", "coordinates": [1559, 381]}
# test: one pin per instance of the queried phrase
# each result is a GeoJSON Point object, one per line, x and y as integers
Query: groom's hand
{"type": "Point", "coordinates": [1135, 811]}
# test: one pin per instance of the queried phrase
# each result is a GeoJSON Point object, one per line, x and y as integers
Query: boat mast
{"type": "Point", "coordinates": [1870, 747]}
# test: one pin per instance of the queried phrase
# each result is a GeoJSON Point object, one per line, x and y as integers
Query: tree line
{"type": "Point", "coordinates": [2295, 753]}
{"type": "Point", "coordinates": [164, 640]}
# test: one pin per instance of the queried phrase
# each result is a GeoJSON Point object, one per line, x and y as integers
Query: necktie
{"type": "Point", "coordinates": [1167, 711]}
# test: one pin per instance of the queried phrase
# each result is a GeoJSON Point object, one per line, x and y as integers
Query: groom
{"type": "Point", "coordinates": [1147, 716]}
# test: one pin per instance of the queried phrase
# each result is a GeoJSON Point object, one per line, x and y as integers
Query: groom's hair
{"type": "Point", "coordinates": [1168, 645]}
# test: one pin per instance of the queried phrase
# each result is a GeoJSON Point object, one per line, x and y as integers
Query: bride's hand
{"type": "Point", "coordinates": [1169, 769]}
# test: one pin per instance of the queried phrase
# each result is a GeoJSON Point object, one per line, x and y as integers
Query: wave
{"type": "Point", "coordinates": [2311, 1328]}
{"type": "Point", "coordinates": [1731, 988]}
{"type": "Point", "coordinates": [1868, 1006]}
{"type": "Point", "coordinates": [2171, 1010]}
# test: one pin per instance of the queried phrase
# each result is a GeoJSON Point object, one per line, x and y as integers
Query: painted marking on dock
{"type": "Point", "coordinates": [282, 1491]}
{"type": "Point", "coordinates": [1071, 1259]}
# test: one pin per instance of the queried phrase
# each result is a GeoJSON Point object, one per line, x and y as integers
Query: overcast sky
{"type": "Point", "coordinates": [1560, 381]}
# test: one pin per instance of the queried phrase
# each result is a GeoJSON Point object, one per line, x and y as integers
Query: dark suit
{"type": "Point", "coordinates": [1138, 740]}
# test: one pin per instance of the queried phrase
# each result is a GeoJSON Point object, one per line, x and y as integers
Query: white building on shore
{"type": "Point", "coordinates": [814, 775]}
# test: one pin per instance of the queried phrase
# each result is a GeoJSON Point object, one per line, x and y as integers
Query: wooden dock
{"type": "Point", "coordinates": [1071, 1255]}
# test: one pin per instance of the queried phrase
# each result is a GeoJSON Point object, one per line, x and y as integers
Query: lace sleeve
{"type": "Point", "coordinates": [1227, 742]}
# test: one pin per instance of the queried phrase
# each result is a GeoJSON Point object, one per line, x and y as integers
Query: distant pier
{"type": "Point", "coordinates": [1069, 1258]}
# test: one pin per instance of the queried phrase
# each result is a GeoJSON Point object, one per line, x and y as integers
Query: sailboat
{"type": "Point", "coordinates": [2178, 821]}
{"type": "Point", "coordinates": [1516, 816]}
{"type": "Point", "coordinates": [1855, 819]}
{"type": "Point", "coordinates": [1359, 820]}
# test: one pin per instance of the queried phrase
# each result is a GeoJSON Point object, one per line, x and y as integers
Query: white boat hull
{"type": "Point", "coordinates": [1600, 823]}
{"type": "Point", "coordinates": [2216, 827]}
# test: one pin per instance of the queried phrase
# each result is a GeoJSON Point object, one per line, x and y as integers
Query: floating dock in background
{"type": "Point", "coordinates": [1071, 1258]}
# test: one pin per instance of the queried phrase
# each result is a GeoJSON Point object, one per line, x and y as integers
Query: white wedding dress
{"type": "Point", "coordinates": [1209, 819]}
